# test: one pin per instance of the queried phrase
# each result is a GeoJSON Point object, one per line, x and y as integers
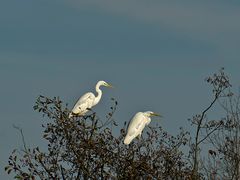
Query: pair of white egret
{"type": "Point", "coordinates": [135, 127]}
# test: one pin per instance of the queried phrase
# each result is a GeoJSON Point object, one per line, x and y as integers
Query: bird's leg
{"type": "Point", "coordinates": [139, 136]}
{"type": "Point", "coordinates": [74, 114]}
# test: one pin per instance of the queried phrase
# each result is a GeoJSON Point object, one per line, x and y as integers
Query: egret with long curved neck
{"type": "Point", "coordinates": [88, 100]}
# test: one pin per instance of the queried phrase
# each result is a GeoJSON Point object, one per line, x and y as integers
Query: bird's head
{"type": "Point", "coordinates": [150, 113]}
{"type": "Point", "coordinates": [103, 83]}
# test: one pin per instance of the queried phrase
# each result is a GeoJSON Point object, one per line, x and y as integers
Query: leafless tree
{"type": "Point", "coordinates": [224, 157]}
{"type": "Point", "coordinates": [85, 148]}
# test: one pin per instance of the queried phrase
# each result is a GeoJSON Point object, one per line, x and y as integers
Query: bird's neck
{"type": "Point", "coordinates": [99, 94]}
{"type": "Point", "coordinates": [148, 120]}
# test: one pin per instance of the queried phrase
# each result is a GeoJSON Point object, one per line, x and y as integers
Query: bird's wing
{"type": "Point", "coordinates": [136, 125]}
{"type": "Point", "coordinates": [86, 97]}
{"type": "Point", "coordinates": [84, 102]}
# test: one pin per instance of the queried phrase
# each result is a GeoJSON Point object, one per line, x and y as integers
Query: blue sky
{"type": "Point", "coordinates": [156, 54]}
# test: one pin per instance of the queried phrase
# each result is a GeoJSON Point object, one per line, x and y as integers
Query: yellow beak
{"type": "Point", "coordinates": [155, 114]}
{"type": "Point", "coordinates": [109, 85]}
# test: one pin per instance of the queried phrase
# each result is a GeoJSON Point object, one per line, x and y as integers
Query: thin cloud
{"type": "Point", "coordinates": [213, 22]}
{"type": "Point", "coordinates": [205, 17]}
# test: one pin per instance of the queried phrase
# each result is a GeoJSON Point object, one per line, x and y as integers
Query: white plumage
{"type": "Point", "coordinates": [137, 124]}
{"type": "Point", "coordinates": [88, 100]}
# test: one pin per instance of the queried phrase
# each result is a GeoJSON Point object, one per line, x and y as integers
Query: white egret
{"type": "Point", "coordinates": [137, 124]}
{"type": "Point", "coordinates": [88, 100]}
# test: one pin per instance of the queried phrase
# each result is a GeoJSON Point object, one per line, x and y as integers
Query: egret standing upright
{"type": "Point", "coordinates": [137, 124]}
{"type": "Point", "coordinates": [88, 100]}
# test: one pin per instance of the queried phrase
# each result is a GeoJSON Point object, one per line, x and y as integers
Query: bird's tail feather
{"type": "Point", "coordinates": [128, 140]}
